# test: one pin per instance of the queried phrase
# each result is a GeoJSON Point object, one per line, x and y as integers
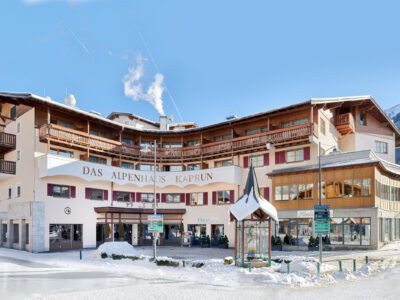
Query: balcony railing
{"type": "Point", "coordinates": [7, 167]}
{"type": "Point", "coordinates": [344, 122]}
{"type": "Point", "coordinates": [241, 144]}
{"type": "Point", "coordinates": [7, 140]}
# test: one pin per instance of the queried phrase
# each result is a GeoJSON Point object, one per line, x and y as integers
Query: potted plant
{"type": "Point", "coordinates": [223, 242]}
{"type": "Point", "coordinates": [205, 241]}
{"type": "Point", "coordinates": [313, 244]}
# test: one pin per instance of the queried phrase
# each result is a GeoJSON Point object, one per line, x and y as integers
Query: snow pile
{"type": "Point", "coordinates": [391, 246]}
{"type": "Point", "coordinates": [117, 248]}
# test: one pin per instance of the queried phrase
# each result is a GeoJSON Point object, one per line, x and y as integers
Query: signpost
{"type": "Point", "coordinates": [155, 222]}
{"type": "Point", "coordinates": [321, 219]}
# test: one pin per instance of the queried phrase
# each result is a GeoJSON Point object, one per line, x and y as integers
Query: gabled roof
{"type": "Point", "coordinates": [251, 202]}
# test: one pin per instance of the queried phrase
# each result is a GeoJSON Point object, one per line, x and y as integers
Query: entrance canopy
{"type": "Point", "coordinates": [252, 203]}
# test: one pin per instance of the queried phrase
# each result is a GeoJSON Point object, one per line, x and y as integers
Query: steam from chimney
{"type": "Point", "coordinates": [133, 87]}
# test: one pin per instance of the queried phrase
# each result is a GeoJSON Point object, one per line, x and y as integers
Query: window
{"type": "Point", "coordinates": [309, 191]}
{"type": "Point", "coordinates": [223, 138]}
{"type": "Point", "coordinates": [127, 141]}
{"type": "Point", "coordinates": [96, 194]}
{"type": "Point", "coordinates": [223, 163]}
{"type": "Point", "coordinates": [126, 165]}
{"type": "Point", "coordinates": [61, 191]}
{"type": "Point", "coordinates": [173, 198]}
{"type": "Point", "coordinates": [144, 144]}
{"type": "Point", "coordinates": [65, 124]}
{"type": "Point", "coordinates": [61, 152]}
{"type": "Point", "coordinates": [193, 167]}
{"type": "Point", "coordinates": [285, 192]}
{"type": "Point", "coordinates": [13, 112]}
{"type": "Point", "coordinates": [193, 143]}
{"type": "Point", "coordinates": [196, 199]}
{"type": "Point", "coordinates": [176, 168]}
{"type": "Point", "coordinates": [322, 126]}
{"type": "Point", "coordinates": [146, 167]}
{"type": "Point", "coordinates": [16, 233]}
{"type": "Point", "coordinates": [363, 119]}
{"type": "Point", "coordinates": [147, 197]}
{"type": "Point", "coordinates": [356, 188]}
{"type": "Point", "coordinates": [123, 196]}
{"type": "Point", "coordinates": [18, 191]}
{"type": "Point", "coordinates": [295, 155]}
{"type": "Point", "coordinates": [4, 237]}
{"type": "Point", "coordinates": [348, 188]}
{"type": "Point", "coordinates": [381, 147]}
{"type": "Point", "coordinates": [19, 127]}
{"type": "Point", "coordinates": [293, 192]}
{"type": "Point", "coordinates": [26, 233]}
{"type": "Point", "coordinates": [333, 189]}
{"type": "Point", "coordinates": [350, 231]}
{"type": "Point", "coordinates": [97, 160]}
{"type": "Point", "coordinates": [223, 197]}
{"type": "Point", "coordinates": [302, 191]}
{"type": "Point", "coordinates": [264, 129]}
{"type": "Point", "coordinates": [172, 145]}
{"type": "Point", "coordinates": [278, 193]}
{"type": "Point", "coordinates": [9, 193]}
{"type": "Point", "coordinates": [295, 123]}
{"type": "Point", "coordinates": [257, 160]}
{"type": "Point", "coordinates": [366, 189]}
{"type": "Point", "coordinates": [252, 131]}
{"type": "Point", "coordinates": [18, 155]}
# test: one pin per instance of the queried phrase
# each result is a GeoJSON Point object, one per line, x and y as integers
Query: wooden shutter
{"type": "Point", "coordinates": [188, 199]}
{"type": "Point", "coordinates": [214, 198]}
{"type": "Point", "coordinates": [163, 198]}
{"type": "Point", "coordinates": [266, 193]}
{"type": "Point", "coordinates": [245, 162]}
{"type": "Point", "coordinates": [50, 190]}
{"type": "Point", "coordinates": [138, 197]}
{"type": "Point", "coordinates": [73, 191]}
{"type": "Point", "coordinates": [205, 198]}
{"type": "Point", "coordinates": [105, 194]}
{"type": "Point", "coordinates": [115, 195]}
{"type": "Point", "coordinates": [182, 197]}
{"type": "Point", "coordinates": [307, 153]}
{"type": "Point", "coordinates": [277, 158]}
{"type": "Point", "coordinates": [87, 193]}
{"type": "Point", "coordinates": [282, 159]}
{"type": "Point", "coordinates": [232, 196]}
{"type": "Point", "coordinates": [133, 197]}
{"type": "Point", "coordinates": [158, 197]}
{"type": "Point", "coordinates": [266, 159]}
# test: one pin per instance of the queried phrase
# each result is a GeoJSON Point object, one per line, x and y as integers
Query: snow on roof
{"type": "Point", "coordinates": [251, 201]}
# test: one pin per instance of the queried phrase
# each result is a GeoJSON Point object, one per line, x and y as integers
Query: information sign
{"type": "Point", "coordinates": [321, 219]}
{"type": "Point", "coordinates": [155, 222]}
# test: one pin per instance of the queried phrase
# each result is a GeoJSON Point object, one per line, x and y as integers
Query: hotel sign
{"type": "Point", "coordinates": [50, 165]}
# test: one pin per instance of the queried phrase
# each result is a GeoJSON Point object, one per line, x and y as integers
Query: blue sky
{"type": "Point", "coordinates": [217, 58]}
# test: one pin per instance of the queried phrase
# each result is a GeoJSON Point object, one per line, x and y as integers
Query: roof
{"type": "Point", "coordinates": [344, 159]}
{"type": "Point", "coordinates": [251, 201]}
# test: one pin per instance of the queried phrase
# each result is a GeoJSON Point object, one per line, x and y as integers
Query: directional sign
{"type": "Point", "coordinates": [321, 219]}
{"type": "Point", "coordinates": [155, 222]}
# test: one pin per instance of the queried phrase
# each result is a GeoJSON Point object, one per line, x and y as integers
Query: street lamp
{"type": "Point", "coordinates": [320, 194]}
{"type": "Point", "coordinates": [147, 150]}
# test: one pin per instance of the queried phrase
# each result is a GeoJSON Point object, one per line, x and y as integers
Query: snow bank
{"type": "Point", "coordinates": [117, 248]}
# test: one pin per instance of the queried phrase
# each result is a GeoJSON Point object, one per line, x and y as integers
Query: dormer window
{"type": "Point", "coordinates": [363, 119]}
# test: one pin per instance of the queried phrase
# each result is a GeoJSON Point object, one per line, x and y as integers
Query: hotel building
{"type": "Point", "coordinates": [71, 179]}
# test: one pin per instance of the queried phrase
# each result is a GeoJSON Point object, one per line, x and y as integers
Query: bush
{"type": "Point", "coordinates": [278, 241]}
{"type": "Point", "coordinates": [223, 240]}
{"type": "Point", "coordinates": [103, 255]}
{"type": "Point", "coordinates": [168, 263]}
{"type": "Point", "coordinates": [313, 242]}
{"type": "Point", "coordinates": [121, 230]}
{"type": "Point", "coordinates": [197, 265]}
{"type": "Point", "coordinates": [273, 241]}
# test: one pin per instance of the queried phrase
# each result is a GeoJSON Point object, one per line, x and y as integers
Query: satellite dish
{"type": "Point", "coordinates": [69, 100]}
{"type": "Point", "coordinates": [170, 118]}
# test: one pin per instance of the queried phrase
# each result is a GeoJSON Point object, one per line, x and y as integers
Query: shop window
{"type": "Point", "coordinates": [387, 223]}
{"type": "Point", "coordinates": [173, 198]}
{"type": "Point", "coordinates": [97, 160]}
{"type": "Point", "coordinates": [77, 234]}
{"type": "Point", "coordinates": [27, 234]}
{"type": "Point", "coordinates": [363, 119]}
{"type": "Point", "coordinates": [196, 199]}
{"type": "Point", "coordinates": [123, 196]}
{"type": "Point", "coordinates": [127, 165]}
{"type": "Point", "coordinates": [5, 235]}
{"type": "Point", "coordinates": [296, 232]}
{"type": "Point", "coordinates": [217, 231]}
{"type": "Point", "coordinates": [223, 197]}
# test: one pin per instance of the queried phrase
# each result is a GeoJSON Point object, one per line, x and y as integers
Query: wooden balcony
{"type": "Point", "coordinates": [344, 123]}
{"type": "Point", "coordinates": [73, 138]}
{"type": "Point", "coordinates": [7, 167]}
{"type": "Point", "coordinates": [7, 142]}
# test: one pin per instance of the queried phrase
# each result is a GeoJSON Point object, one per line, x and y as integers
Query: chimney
{"type": "Point", "coordinates": [163, 123]}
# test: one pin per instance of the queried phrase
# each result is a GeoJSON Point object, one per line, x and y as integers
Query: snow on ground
{"type": "Point", "coordinates": [109, 274]}
{"type": "Point", "coordinates": [118, 248]}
